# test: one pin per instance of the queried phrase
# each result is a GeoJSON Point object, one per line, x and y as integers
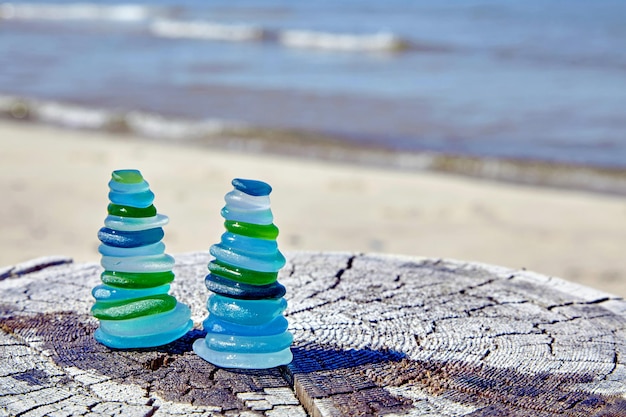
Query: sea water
{"type": "Point", "coordinates": [526, 79]}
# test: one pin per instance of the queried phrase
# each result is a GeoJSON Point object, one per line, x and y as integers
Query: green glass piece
{"type": "Point", "coordinates": [136, 279]}
{"type": "Point", "coordinates": [127, 176]}
{"type": "Point", "coordinates": [129, 309]}
{"type": "Point", "coordinates": [243, 275]}
{"type": "Point", "coordinates": [128, 211]}
{"type": "Point", "coordinates": [261, 231]}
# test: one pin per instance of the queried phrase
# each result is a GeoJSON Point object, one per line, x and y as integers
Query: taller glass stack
{"type": "Point", "coordinates": [246, 327]}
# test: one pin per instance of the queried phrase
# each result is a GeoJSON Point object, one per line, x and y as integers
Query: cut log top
{"type": "Point", "coordinates": [374, 335]}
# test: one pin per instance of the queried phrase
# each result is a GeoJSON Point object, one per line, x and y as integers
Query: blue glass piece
{"type": "Point", "coordinates": [106, 293]}
{"type": "Point", "coordinates": [123, 239]}
{"type": "Point", "coordinates": [142, 200]}
{"type": "Point", "coordinates": [149, 331]}
{"type": "Point", "coordinates": [252, 187]}
{"type": "Point", "coordinates": [154, 263]}
{"type": "Point", "coordinates": [136, 187]}
{"type": "Point", "coordinates": [251, 312]}
{"type": "Point", "coordinates": [249, 344]}
{"type": "Point", "coordinates": [147, 250]}
{"type": "Point", "coordinates": [132, 224]}
{"type": "Point", "coordinates": [248, 216]}
{"type": "Point", "coordinates": [234, 289]}
{"type": "Point", "coordinates": [242, 201]}
{"type": "Point", "coordinates": [242, 243]}
{"type": "Point", "coordinates": [260, 262]}
{"type": "Point", "coordinates": [214, 325]}
{"type": "Point", "coordinates": [242, 360]}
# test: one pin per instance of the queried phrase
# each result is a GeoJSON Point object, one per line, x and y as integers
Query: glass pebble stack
{"type": "Point", "coordinates": [132, 303]}
{"type": "Point", "coordinates": [246, 327]}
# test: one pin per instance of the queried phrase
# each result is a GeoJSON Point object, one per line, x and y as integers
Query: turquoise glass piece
{"type": "Point", "coordinates": [147, 331]}
{"type": "Point", "coordinates": [174, 319]}
{"type": "Point", "coordinates": [134, 224]}
{"type": "Point", "coordinates": [214, 325]}
{"type": "Point", "coordinates": [259, 262]}
{"type": "Point", "coordinates": [152, 249]}
{"type": "Point", "coordinates": [252, 187]}
{"type": "Point", "coordinates": [249, 344]}
{"type": "Point", "coordinates": [248, 244]}
{"type": "Point", "coordinates": [248, 216]}
{"type": "Point", "coordinates": [153, 263]}
{"type": "Point", "coordinates": [142, 199]}
{"type": "Point", "coordinates": [241, 201]}
{"type": "Point", "coordinates": [246, 327]}
{"type": "Point", "coordinates": [227, 359]}
{"type": "Point", "coordinates": [123, 239]}
{"type": "Point", "coordinates": [252, 312]}
{"type": "Point", "coordinates": [107, 293]}
{"type": "Point", "coordinates": [132, 305]}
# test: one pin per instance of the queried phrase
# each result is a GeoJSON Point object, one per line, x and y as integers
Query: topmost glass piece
{"type": "Point", "coordinates": [252, 187]}
{"type": "Point", "coordinates": [127, 176]}
{"type": "Point", "coordinates": [128, 187]}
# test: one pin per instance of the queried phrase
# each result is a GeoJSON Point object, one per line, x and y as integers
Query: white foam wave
{"type": "Point", "coordinates": [71, 116]}
{"type": "Point", "coordinates": [142, 123]}
{"type": "Point", "coordinates": [205, 30]}
{"type": "Point", "coordinates": [381, 41]}
{"type": "Point", "coordinates": [74, 11]}
{"type": "Point", "coordinates": [156, 126]}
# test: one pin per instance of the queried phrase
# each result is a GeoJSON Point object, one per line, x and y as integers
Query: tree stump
{"type": "Point", "coordinates": [374, 335]}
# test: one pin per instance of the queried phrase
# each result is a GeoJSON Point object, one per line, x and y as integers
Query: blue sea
{"type": "Point", "coordinates": [531, 80]}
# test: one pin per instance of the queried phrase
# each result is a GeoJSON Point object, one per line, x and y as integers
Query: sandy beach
{"type": "Point", "coordinates": [53, 185]}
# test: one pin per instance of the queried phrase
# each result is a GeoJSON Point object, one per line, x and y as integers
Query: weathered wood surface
{"type": "Point", "coordinates": [374, 335]}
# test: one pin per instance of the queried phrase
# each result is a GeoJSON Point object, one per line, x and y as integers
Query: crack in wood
{"type": "Point", "coordinates": [581, 303]}
{"type": "Point", "coordinates": [41, 405]}
{"type": "Point", "coordinates": [152, 411]}
{"type": "Point", "coordinates": [337, 277]}
{"type": "Point", "coordinates": [33, 266]}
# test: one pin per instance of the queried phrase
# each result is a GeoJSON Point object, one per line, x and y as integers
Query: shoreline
{"type": "Point", "coordinates": [54, 186]}
{"type": "Point", "coordinates": [316, 146]}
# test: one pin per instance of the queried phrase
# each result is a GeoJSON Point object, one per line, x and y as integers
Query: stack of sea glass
{"type": "Point", "coordinates": [133, 304]}
{"type": "Point", "coordinates": [246, 327]}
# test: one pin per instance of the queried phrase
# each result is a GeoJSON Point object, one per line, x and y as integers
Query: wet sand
{"type": "Point", "coordinates": [53, 185]}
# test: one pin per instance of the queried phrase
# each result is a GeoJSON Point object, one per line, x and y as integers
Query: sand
{"type": "Point", "coordinates": [53, 185]}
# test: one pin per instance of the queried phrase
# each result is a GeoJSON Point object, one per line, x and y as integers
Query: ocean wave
{"type": "Point", "coordinates": [205, 30]}
{"type": "Point", "coordinates": [72, 116]}
{"type": "Point", "coordinates": [382, 41]}
{"type": "Point", "coordinates": [141, 123]}
{"type": "Point", "coordinates": [373, 42]}
{"type": "Point", "coordinates": [159, 25]}
{"type": "Point", "coordinates": [76, 11]}
{"type": "Point", "coordinates": [56, 113]}
{"type": "Point", "coordinates": [157, 126]}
